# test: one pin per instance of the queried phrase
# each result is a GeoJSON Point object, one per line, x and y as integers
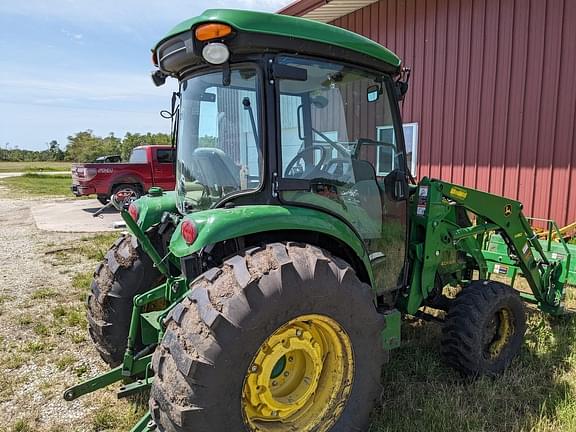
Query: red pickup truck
{"type": "Point", "coordinates": [148, 166]}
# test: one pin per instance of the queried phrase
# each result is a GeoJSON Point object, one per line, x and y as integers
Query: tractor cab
{"type": "Point", "coordinates": [279, 111]}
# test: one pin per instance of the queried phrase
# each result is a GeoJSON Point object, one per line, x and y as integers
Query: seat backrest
{"type": "Point", "coordinates": [211, 166]}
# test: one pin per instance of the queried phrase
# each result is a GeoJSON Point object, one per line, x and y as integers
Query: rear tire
{"type": "Point", "coordinates": [484, 329]}
{"type": "Point", "coordinates": [125, 272]}
{"type": "Point", "coordinates": [214, 337]}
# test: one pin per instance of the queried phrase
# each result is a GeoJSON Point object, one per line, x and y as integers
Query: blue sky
{"type": "Point", "coordinates": [72, 65]}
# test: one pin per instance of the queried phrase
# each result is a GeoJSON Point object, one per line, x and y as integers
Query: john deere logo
{"type": "Point", "coordinates": [507, 210]}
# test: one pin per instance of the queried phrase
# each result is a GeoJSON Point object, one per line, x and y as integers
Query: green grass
{"type": "Point", "coordinates": [22, 426]}
{"type": "Point", "coordinates": [43, 293]}
{"type": "Point", "coordinates": [65, 361]}
{"type": "Point", "coordinates": [34, 166]}
{"type": "Point", "coordinates": [92, 247]}
{"type": "Point", "coordinates": [537, 394]}
{"type": "Point", "coordinates": [111, 418]}
{"type": "Point", "coordinates": [95, 247]}
{"type": "Point", "coordinates": [39, 185]}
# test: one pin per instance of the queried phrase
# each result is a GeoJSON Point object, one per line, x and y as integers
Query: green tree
{"type": "Point", "coordinates": [86, 147]}
{"type": "Point", "coordinates": [208, 141]}
{"type": "Point", "coordinates": [132, 140]}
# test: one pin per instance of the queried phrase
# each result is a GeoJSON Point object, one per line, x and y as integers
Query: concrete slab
{"type": "Point", "coordinates": [66, 215]}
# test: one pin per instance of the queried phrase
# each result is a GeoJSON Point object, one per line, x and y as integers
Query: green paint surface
{"type": "Point", "coordinates": [220, 224]}
{"type": "Point", "coordinates": [288, 26]}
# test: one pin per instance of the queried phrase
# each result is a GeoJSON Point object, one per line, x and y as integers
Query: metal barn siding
{"type": "Point", "coordinates": [493, 91]}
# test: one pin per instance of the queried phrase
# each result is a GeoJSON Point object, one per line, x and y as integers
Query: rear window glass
{"type": "Point", "coordinates": [165, 156]}
{"type": "Point", "coordinates": [138, 156]}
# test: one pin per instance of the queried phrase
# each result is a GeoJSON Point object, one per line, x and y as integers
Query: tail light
{"type": "Point", "coordinates": [86, 173]}
{"type": "Point", "coordinates": [133, 212]}
{"type": "Point", "coordinates": [189, 231]}
{"type": "Point", "coordinates": [90, 173]}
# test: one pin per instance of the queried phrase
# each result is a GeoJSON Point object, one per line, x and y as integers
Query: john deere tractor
{"type": "Point", "coordinates": [265, 292]}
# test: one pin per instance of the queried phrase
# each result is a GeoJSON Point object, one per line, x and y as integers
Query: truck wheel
{"type": "Point", "coordinates": [125, 272]}
{"type": "Point", "coordinates": [284, 337]}
{"type": "Point", "coordinates": [134, 190]}
{"type": "Point", "coordinates": [484, 329]}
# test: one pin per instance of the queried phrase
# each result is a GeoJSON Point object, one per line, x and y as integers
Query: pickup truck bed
{"type": "Point", "coordinates": [149, 166]}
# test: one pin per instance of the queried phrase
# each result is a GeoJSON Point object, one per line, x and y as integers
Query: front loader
{"type": "Point", "coordinates": [266, 292]}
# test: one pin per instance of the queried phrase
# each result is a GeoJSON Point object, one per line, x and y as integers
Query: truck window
{"type": "Point", "coordinates": [165, 155]}
{"type": "Point", "coordinates": [138, 156]}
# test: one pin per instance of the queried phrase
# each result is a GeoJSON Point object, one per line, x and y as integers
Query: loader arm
{"type": "Point", "coordinates": [447, 244]}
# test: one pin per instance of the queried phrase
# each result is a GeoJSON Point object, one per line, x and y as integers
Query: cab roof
{"type": "Point", "coordinates": [288, 26]}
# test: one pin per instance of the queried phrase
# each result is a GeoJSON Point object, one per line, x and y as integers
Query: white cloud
{"type": "Point", "coordinates": [68, 88]}
{"type": "Point", "coordinates": [31, 127]}
{"type": "Point", "coordinates": [37, 109]}
{"type": "Point", "coordinates": [75, 37]}
{"type": "Point", "coordinates": [50, 89]}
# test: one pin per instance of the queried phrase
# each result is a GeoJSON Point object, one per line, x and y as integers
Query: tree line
{"type": "Point", "coordinates": [85, 146]}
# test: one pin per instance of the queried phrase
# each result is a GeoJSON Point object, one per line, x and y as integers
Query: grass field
{"type": "Point", "coordinates": [34, 166]}
{"type": "Point", "coordinates": [30, 184]}
{"type": "Point", "coordinates": [536, 395]}
{"type": "Point", "coordinates": [420, 393]}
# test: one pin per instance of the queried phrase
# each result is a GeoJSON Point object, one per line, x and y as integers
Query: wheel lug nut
{"type": "Point", "coordinates": [290, 359]}
{"type": "Point", "coordinates": [274, 383]}
{"type": "Point", "coordinates": [274, 413]}
{"type": "Point", "coordinates": [286, 374]}
{"type": "Point", "coordinates": [298, 332]}
{"type": "Point", "coordinates": [254, 368]}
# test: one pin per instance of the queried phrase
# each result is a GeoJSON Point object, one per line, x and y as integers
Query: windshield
{"type": "Point", "coordinates": [218, 149]}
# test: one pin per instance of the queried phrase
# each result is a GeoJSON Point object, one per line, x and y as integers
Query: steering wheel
{"type": "Point", "coordinates": [295, 169]}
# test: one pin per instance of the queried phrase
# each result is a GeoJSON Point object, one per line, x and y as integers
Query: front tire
{"type": "Point", "coordinates": [484, 329]}
{"type": "Point", "coordinates": [125, 272]}
{"type": "Point", "coordinates": [263, 320]}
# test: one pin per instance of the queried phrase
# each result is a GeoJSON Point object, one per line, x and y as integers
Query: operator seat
{"type": "Point", "coordinates": [212, 167]}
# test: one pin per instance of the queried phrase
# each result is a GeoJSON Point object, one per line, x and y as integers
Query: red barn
{"type": "Point", "coordinates": [492, 100]}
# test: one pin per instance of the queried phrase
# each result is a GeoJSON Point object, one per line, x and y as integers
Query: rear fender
{"type": "Point", "coordinates": [221, 224]}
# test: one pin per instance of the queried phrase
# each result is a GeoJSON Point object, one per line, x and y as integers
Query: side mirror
{"type": "Point", "coordinates": [396, 186]}
{"type": "Point", "coordinates": [373, 93]}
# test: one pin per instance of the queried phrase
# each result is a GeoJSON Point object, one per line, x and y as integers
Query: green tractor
{"type": "Point", "coordinates": [265, 292]}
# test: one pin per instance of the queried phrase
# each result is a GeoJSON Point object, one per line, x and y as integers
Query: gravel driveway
{"type": "Point", "coordinates": [43, 337]}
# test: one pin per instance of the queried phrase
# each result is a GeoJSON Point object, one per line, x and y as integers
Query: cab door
{"type": "Point", "coordinates": [342, 151]}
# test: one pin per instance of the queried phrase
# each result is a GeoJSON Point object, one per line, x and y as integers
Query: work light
{"type": "Point", "coordinates": [215, 53]}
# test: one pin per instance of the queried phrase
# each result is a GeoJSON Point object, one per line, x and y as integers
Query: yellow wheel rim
{"type": "Point", "coordinates": [300, 377]}
{"type": "Point", "coordinates": [503, 333]}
